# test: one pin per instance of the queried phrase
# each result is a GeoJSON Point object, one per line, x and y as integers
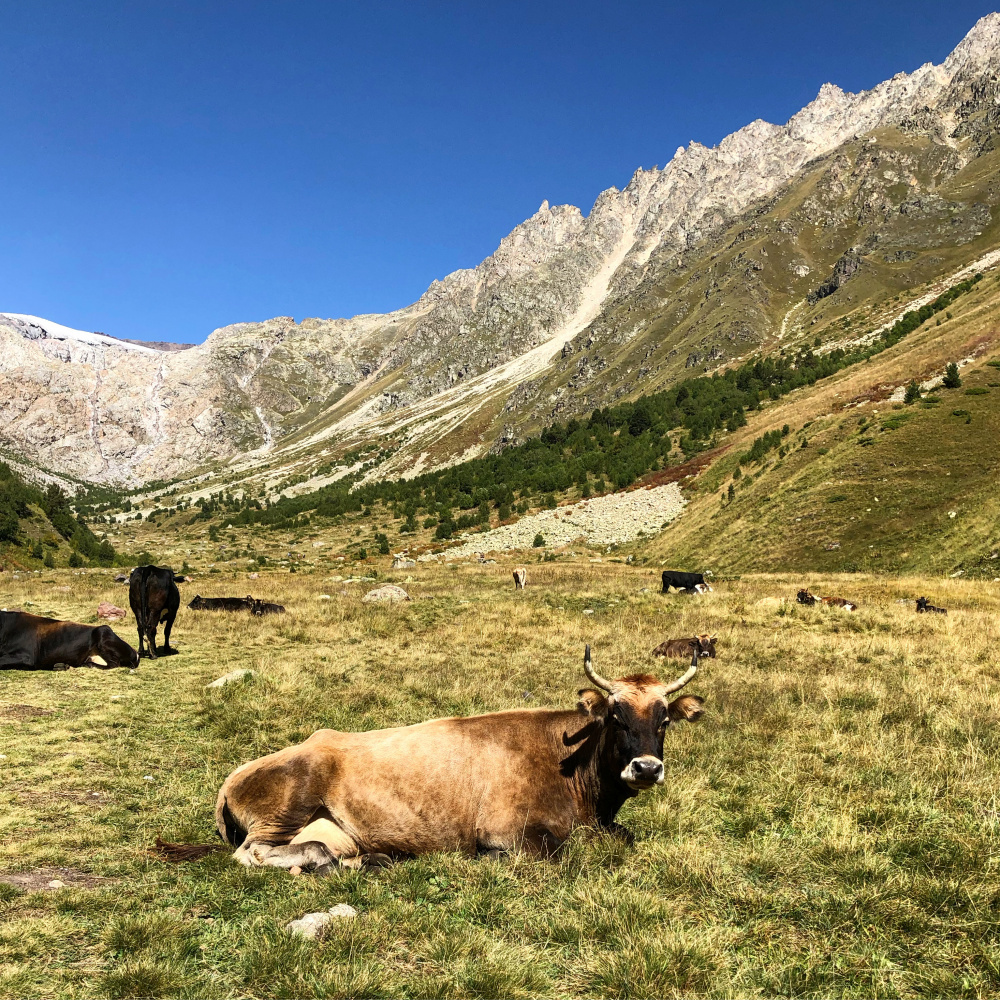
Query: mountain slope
{"type": "Point", "coordinates": [724, 251]}
{"type": "Point", "coordinates": [878, 484]}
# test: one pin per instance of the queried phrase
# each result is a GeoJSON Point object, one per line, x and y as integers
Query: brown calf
{"type": "Point", "coordinates": [697, 645]}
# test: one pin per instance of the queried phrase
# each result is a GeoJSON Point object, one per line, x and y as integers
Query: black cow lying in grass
{"type": "Point", "coordinates": [221, 603]}
{"type": "Point", "coordinates": [253, 605]}
{"type": "Point", "coordinates": [30, 642]}
{"type": "Point", "coordinates": [691, 583]}
{"type": "Point", "coordinates": [924, 608]}
{"type": "Point", "coordinates": [261, 608]}
{"type": "Point", "coordinates": [154, 598]}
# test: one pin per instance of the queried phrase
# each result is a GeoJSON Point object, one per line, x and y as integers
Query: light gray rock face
{"type": "Point", "coordinates": [110, 411]}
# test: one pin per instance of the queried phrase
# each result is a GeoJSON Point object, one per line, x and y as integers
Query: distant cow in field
{"type": "Point", "coordinates": [804, 597]}
{"type": "Point", "coordinates": [30, 642]}
{"type": "Point", "coordinates": [683, 581]}
{"type": "Point", "coordinates": [200, 603]}
{"type": "Point", "coordinates": [260, 608]}
{"type": "Point", "coordinates": [924, 608]}
{"type": "Point", "coordinates": [154, 598]}
{"type": "Point", "coordinates": [839, 602]}
{"type": "Point", "coordinates": [696, 646]}
{"type": "Point", "coordinates": [520, 577]}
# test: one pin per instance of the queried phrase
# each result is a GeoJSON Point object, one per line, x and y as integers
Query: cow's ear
{"type": "Point", "coordinates": [687, 708]}
{"type": "Point", "coordinates": [592, 703]}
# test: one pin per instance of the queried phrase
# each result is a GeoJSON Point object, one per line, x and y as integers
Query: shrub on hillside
{"type": "Point", "coordinates": [952, 380]}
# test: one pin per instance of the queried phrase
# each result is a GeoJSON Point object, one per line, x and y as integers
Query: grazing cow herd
{"type": "Point", "coordinates": [517, 780]}
{"type": "Point", "coordinates": [29, 642]}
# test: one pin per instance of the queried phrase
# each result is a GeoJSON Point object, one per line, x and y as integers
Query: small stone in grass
{"type": "Point", "coordinates": [56, 884]}
{"type": "Point", "coordinates": [147, 777]}
{"type": "Point", "coordinates": [233, 675]}
{"type": "Point", "coordinates": [313, 926]}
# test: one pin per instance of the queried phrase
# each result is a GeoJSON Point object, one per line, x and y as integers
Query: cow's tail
{"type": "Point", "coordinates": [143, 598]}
{"type": "Point", "coordinates": [228, 828]}
{"type": "Point", "coordinates": [177, 853]}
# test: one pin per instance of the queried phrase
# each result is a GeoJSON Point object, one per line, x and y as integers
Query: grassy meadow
{"type": "Point", "coordinates": [829, 828]}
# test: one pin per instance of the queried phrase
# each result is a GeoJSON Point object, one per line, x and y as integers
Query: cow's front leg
{"type": "Point", "coordinates": [308, 856]}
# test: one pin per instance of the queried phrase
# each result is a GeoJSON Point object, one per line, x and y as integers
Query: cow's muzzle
{"type": "Point", "coordinates": [643, 772]}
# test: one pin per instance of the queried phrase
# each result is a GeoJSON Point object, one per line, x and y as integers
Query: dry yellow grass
{"type": "Point", "coordinates": [830, 828]}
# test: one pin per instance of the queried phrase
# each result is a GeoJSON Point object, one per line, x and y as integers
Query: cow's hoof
{"type": "Point", "coordinates": [375, 860]}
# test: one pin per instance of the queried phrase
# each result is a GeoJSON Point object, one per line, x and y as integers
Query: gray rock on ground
{"type": "Point", "coordinates": [388, 593]}
{"type": "Point", "coordinates": [233, 675]}
{"type": "Point", "coordinates": [313, 926]}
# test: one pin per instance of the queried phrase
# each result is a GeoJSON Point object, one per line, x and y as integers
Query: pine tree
{"type": "Point", "coordinates": [912, 394]}
{"type": "Point", "coordinates": [952, 380]}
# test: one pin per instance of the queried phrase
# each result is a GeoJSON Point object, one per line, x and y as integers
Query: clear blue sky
{"type": "Point", "coordinates": [170, 167]}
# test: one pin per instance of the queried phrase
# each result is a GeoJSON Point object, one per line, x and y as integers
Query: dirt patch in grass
{"type": "Point", "coordinates": [41, 879]}
{"type": "Point", "coordinates": [22, 713]}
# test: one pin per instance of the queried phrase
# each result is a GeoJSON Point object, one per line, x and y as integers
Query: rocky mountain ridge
{"type": "Point", "coordinates": [569, 311]}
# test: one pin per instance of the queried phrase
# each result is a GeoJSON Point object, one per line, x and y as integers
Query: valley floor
{"type": "Point", "coordinates": [830, 828]}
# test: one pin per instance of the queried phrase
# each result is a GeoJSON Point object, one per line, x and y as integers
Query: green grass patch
{"type": "Point", "coordinates": [893, 423]}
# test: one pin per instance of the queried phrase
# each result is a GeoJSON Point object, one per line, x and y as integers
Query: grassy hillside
{"type": "Point", "coordinates": [879, 485]}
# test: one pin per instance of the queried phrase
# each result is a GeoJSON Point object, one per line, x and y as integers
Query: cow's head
{"type": "Point", "coordinates": [114, 651]}
{"type": "Point", "coordinates": [635, 712]}
{"type": "Point", "coordinates": [703, 645]}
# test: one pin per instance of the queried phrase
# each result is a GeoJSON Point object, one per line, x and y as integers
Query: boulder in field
{"type": "Point", "coordinates": [110, 612]}
{"type": "Point", "coordinates": [388, 593]}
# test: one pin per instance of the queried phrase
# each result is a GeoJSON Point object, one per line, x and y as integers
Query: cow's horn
{"type": "Point", "coordinates": [681, 681]}
{"type": "Point", "coordinates": [595, 678]}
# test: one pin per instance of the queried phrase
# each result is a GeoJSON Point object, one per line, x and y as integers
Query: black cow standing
{"type": "Point", "coordinates": [681, 581]}
{"type": "Point", "coordinates": [154, 598]}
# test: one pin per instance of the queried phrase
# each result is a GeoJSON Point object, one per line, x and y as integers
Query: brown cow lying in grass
{"type": "Point", "coordinates": [804, 597]}
{"type": "Point", "coordinates": [698, 645]}
{"type": "Point", "coordinates": [519, 780]}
